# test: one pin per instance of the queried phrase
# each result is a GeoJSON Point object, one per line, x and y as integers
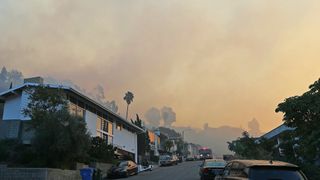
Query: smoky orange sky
{"type": "Point", "coordinates": [217, 62]}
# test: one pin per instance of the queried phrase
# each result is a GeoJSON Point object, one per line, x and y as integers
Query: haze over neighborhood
{"type": "Point", "coordinates": [214, 67]}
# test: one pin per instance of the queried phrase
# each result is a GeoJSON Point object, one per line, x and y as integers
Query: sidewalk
{"type": "Point", "coordinates": [151, 167]}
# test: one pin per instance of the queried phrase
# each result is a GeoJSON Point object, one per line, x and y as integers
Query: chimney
{"type": "Point", "coordinates": [38, 80]}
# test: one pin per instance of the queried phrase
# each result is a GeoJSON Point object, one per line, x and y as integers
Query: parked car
{"type": "Point", "coordinates": [261, 170]}
{"type": "Point", "coordinates": [190, 158]}
{"type": "Point", "coordinates": [175, 159]}
{"type": "Point", "coordinates": [123, 169]}
{"type": "Point", "coordinates": [166, 160]}
{"type": "Point", "coordinates": [210, 168]}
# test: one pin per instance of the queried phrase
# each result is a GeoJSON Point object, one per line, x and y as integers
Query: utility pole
{"type": "Point", "coordinates": [183, 147]}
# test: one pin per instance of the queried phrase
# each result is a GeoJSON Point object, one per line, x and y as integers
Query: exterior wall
{"type": "Point", "coordinates": [24, 104]}
{"type": "Point", "coordinates": [38, 174]}
{"type": "Point", "coordinates": [91, 120]}
{"type": "Point", "coordinates": [125, 140]}
{"type": "Point", "coordinates": [13, 115]}
{"type": "Point", "coordinates": [10, 129]}
{"type": "Point", "coordinates": [1, 110]}
{"type": "Point", "coordinates": [12, 110]}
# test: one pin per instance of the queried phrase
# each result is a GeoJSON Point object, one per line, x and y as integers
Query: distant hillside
{"type": "Point", "coordinates": [215, 138]}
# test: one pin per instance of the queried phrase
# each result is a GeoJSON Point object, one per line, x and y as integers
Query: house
{"type": "Point", "coordinates": [274, 135]}
{"type": "Point", "coordinates": [100, 121]}
{"type": "Point", "coordinates": [154, 144]}
{"type": "Point", "coordinates": [154, 136]}
{"type": "Point", "coordinates": [163, 138]}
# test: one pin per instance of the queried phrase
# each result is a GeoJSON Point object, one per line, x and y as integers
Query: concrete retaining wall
{"type": "Point", "coordinates": [37, 174]}
{"type": "Point", "coordinates": [104, 167]}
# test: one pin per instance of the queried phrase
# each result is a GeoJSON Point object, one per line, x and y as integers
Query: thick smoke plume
{"type": "Point", "coordinates": [97, 93]}
{"type": "Point", "coordinates": [197, 50]}
{"type": "Point", "coordinates": [168, 116]}
{"type": "Point", "coordinates": [8, 78]}
{"type": "Point", "coordinates": [15, 77]}
{"type": "Point", "coordinates": [153, 117]}
{"type": "Point", "coordinates": [254, 128]}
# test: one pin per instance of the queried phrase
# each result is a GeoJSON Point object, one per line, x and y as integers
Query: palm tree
{"type": "Point", "coordinates": [128, 98]}
{"type": "Point", "coordinates": [168, 145]}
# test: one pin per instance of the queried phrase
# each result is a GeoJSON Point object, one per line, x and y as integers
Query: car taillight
{"type": "Point", "coordinates": [205, 170]}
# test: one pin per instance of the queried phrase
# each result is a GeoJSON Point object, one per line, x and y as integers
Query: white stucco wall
{"type": "Point", "coordinates": [125, 140]}
{"type": "Point", "coordinates": [23, 105]}
{"type": "Point", "coordinates": [12, 110]}
{"type": "Point", "coordinates": [91, 120]}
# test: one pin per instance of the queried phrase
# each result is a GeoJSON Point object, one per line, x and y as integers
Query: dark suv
{"type": "Point", "coordinates": [261, 170]}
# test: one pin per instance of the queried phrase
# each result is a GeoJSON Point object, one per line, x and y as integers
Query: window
{"type": "Point", "coordinates": [110, 129]}
{"type": "Point", "coordinates": [226, 171]}
{"type": "Point", "coordinates": [275, 173]}
{"type": "Point", "coordinates": [237, 170]}
{"type": "Point", "coordinates": [110, 140]}
{"type": "Point", "coordinates": [99, 134]}
{"type": "Point", "coordinates": [76, 110]}
{"type": "Point", "coordinates": [107, 138]}
{"type": "Point", "coordinates": [80, 111]}
{"type": "Point", "coordinates": [119, 127]}
{"type": "Point", "coordinates": [104, 136]}
{"type": "Point", "coordinates": [99, 123]}
{"type": "Point", "coordinates": [104, 125]}
{"type": "Point", "coordinates": [72, 109]}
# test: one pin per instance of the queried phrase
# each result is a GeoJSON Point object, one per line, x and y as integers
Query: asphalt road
{"type": "Point", "coordinates": [183, 171]}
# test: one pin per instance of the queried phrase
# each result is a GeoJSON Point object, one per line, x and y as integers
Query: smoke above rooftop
{"type": "Point", "coordinates": [218, 61]}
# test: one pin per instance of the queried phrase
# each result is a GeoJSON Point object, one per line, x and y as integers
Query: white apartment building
{"type": "Point", "coordinates": [100, 121]}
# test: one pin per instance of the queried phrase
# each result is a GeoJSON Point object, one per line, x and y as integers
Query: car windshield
{"type": "Point", "coordinates": [215, 164]}
{"type": "Point", "coordinates": [274, 173]}
{"type": "Point", "coordinates": [122, 164]}
{"type": "Point", "coordinates": [164, 157]}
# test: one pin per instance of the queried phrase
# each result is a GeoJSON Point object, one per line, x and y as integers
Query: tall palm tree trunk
{"type": "Point", "coordinates": [127, 112]}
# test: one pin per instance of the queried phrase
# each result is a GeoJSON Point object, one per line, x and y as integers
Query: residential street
{"type": "Point", "coordinates": [182, 171]}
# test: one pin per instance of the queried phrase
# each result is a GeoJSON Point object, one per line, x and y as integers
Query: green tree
{"type": "Point", "coordinates": [168, 145]}
{"type": "Point", "coordinates": [143, 138]}
{"type": "Point", "coordinates": [303, 113]}
{"type": "Point", "coordinates": [60, 139]}
{"type": "Point", "coordinates": [137, 122]}
{"type": "Point", "coordinates": [180, 146]}
{"type": "Point", "coordinates": [100, 151]}
{"type": "Point", "coordinates": [249, 148]}
{"type": "Point", "coordinates": [128, 98]}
